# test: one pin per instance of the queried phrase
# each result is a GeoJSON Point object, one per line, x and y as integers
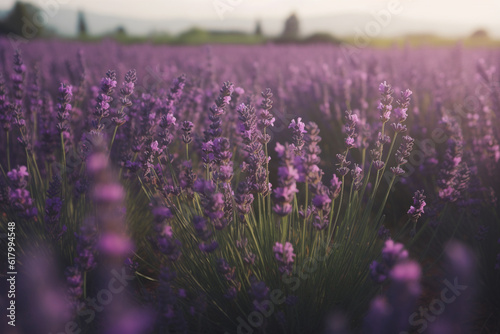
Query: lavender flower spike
{"type": "Point", "coordinates": [298, 130]}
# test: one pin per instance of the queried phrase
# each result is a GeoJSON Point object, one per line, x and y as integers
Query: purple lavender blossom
{"type": "Point", "coordinates": [125, 92]}
{"type": "Point", "coordinates": [417, 209]}
{"type": "Point", "coordinates": [243, 199]}
{"type": "Point", "coordinates": [259, 292]}
{"type": "Point", "coordinates": [203, 232]}
{"type": "Point", "coordinates": [212, 202]}
{"type": "Point", "coordinates": [5, 114]}
{"type": "Point", "coordinates": [255, 161]}
{"type": "Point", "coordinates": [74, 281]}
{"type": "Point", "coordinates": [285, 256]}
{"type": "Point", "coordinates": [228, 273]}
{"type": "Point", "coordinates": [168, 120]}
{"type": "Point", "coordinates": [19, 197]}
{"type": "Point", "coordinates": [186, 128]}
{"type": "Point", "coordinates": [187, 179]}
{"type": "Point", "coordinates": [402, 154]}
{"type": "Point", "coordinates": [18, 78]}
{"type": "Point", "coordinates": [266, 118]}
{"type": "Point", "coordinates": [217, 110]}
{"type": "Point", "coordinates": [350, 130]}
{"type": "Point", "coordinates": [389, 313]}
{"type": "Point", "coordinates": [385, 104]}
{"type": "Point", "coordinates": [170, 314]}
{"type": "Point", "coordinates": [335, 186]}
{"type": "Point", "coordinates": [392, 253]}
{"type": "Point", "coordinates": [287, 177]}
{"type": "Point", "coordinates": [357, 177]}
{"type": "Point", "coordinates": [53, 206]}
{"type": "Point", "coordinates": [164, 240]}
{"type": "Point", "coordinates": [401, 111]}
{"type": "Point", "coordinates": [310, 159]}
{"type": "Point", "coordinates": [384, 233]}
{"type": "Point", "coordinates": [85, 245]}
{"type": "Point", "coordinates": [461, 272]}
{"type": "Point", "coordinates": [64, 107]}
{"type": "Point", "coordinates": [298, 131]}
{"type": "Point", "coordinates": [108, 83]}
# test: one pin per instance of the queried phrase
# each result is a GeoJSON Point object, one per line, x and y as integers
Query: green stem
{"type": "Point", "coordinates": [113, 139]}
{"type": "Point", "coordinates": [268, 199]}
{"type": "Point", "coordinates": [340, 202]}
{"type": "Point", "coordinates": [382, 171]}
{"type": "Point", "coordinates": [330, 227]}
{"type": "Point", "coordinates": [284, 231]}
{"type": "Point", "coordinates": [8, 150]}
{"type": "Point", "coordinates": [85, 284]}
{"type": "Point", "coordinates": [63, 155]}
{"type": "Point", "coordinates": [381, 209]}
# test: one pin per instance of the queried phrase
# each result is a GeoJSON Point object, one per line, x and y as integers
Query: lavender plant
{"type": "Point", "coordinates": [212, 202]}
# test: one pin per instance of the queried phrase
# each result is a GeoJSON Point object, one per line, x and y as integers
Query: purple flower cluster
{"type": "Point", "coordinates": [19, 198]}
{"type": "Point", "coordinates": [203, 232]}
{"type": "Point", "coordinates": [165, 241]}
{"type": "Point", "coordinates": [266, 119]}
{"type": "Point", "coordinates": [229, 275]}
{"type": "Point", "coordinates": [350, 130]}
{"type": "Point", "coordinates": [402, 155]}
{"type": "Point", "coordinates": [217, 110]}
{"type": "Point", "coordinates": [53, 206]}
{"type": "Point", "coordinates": [18, 78]}
{"type": "Point", "coordinates": [390, 313]}
{"type": "Point", "coordinates": [186, 128]}
{"type": "Point", "coordinates": [170, 313]}
{"type": "Point", "coordinates": [168, 120]}
{"type": "Point", "coordinates": [417, 209]}
{"type": "Point", "coordinates": [64, 107]}
{"type": "Point", "coordinates": [287, 177]}
{"type": "Point", "coordinates": [255, 161]}
{"type": "Point", "coordinates": [259, 293]}
{"type": "Point", "coordinates": [5, 115]}
{"type": "Point", "coordinates": [392, 254]}
{"type": "Point", "coordinates": [454, 175]}
{"type": "Point", "coordinates": [401, 111]}
{"type": "Point", "coordinates": [285, 256]}
{"type": "Point", "coordinates": [248, 257]}
{"type": "Point", "coordinates": [104, 99]}
{"type": "Point", "coordinates": [385, 104]}
{"type": "Point", "coordinates": [213, 203]}
{"type": "Point", "coordinates": [311, 173]}
{"type": "Point", "coordinates": [298, 129]}
{"type": "Point", "coordinates": [125, 92]}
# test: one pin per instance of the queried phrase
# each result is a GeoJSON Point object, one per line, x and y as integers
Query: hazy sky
{"type": "Point", "coordinates": [466, 11]}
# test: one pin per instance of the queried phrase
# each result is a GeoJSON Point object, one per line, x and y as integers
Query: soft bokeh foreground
{"type": "Point", "coordinates": [239, 189]}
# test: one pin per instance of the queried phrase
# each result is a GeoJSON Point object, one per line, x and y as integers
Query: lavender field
{"type": "Point", "coordinates": [249, 189]}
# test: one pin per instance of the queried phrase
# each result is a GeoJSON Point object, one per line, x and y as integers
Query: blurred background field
{"type": "Point", "coordinates": [136, 136]}
{"type": "Point", "coordinates": [220, 26]}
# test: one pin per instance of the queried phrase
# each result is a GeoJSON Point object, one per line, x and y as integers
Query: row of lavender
{"type": "Point", "coordinates": [221, 203]}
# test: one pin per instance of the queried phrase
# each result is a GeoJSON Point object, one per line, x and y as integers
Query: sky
{"type": "Point", "coordinates": [470, 11]}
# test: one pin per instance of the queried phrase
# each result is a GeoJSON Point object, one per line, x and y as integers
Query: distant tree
{"type": "Point", "coordinates": [291, 30]}
{"type": "Point", "coordinates": [20, 21]}
{"type": "Point", "coordinates": [480, 34]}
{"type": "Point", "coordinates": [120, 31]}
{"type": "Point", "coordinates": [82, 25]}
{"type": "Point", "coordinates": [258, 28]}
